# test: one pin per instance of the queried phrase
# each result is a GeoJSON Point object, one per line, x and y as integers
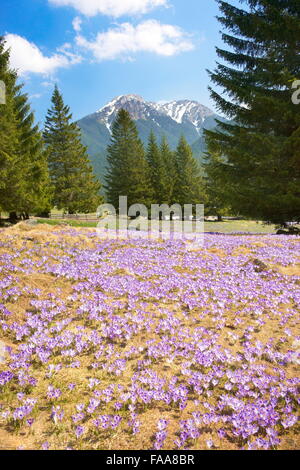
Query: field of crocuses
{"type": "Point", "coordinates": [148, 345]}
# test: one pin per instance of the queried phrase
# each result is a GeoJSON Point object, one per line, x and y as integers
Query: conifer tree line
{"type": "Point", "coordinates": [41, 170]}
{"type": "Point", "coordinates": [151, 175]}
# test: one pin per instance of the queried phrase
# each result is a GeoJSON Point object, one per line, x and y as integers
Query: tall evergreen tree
{"type": "Point", "coordinates": [170, 174]}
{"type": "Point", "coordinates": [257, 156]}
{"type": "Point", "coordinates": [36, 180]}
{"type": "Point", "coordinates": [24, 179]}
{"type": "Point", "coordinates": [9, 135]}
{"type": "Point", "coordinates": [157, 169]}
{"type": "Point", "coordinates": [215, 203]}
{"type": "Point", "coordinates": [76, 189]}
{"type": "Point", "coordinates": [190, 185]}
{"type": "Point", "coordinates": [128, 172]}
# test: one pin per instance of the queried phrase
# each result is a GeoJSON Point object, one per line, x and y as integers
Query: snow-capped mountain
{"type": "Point", "coordinates": [183, 111]}
{"type": "Point", "coordinates": [172, 119]}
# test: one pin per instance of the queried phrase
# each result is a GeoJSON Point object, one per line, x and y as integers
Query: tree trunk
{"type": "Point", "coordinates": [13, 216]}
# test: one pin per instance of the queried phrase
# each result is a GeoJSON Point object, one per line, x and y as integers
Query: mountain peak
{"type": "Point", "coordinates": [121, 99]}
{"type": "Point", "coordinates": [185, 111]}
{"type": "Point", "coordinates": [133, 97]}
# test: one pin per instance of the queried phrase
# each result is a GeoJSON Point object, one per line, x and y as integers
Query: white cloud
{"type": "Point", "coordinates": [48, 84]}
{"type": "Point", "coordinates": [126, 39]}
{"type": "Point", "coordinates": [114, 8]}
{"type": "Point", "coordinates": [77, 24]}
{"type": "Point", "coordinates": [26, 57]}
{"type": "Point", "coordinates": [35, 96]}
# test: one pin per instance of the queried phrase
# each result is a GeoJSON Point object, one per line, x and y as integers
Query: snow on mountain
{"type": "Point", "coordinates": [183, 111]}
{"type": "Point", "coordinates": [134, 104]}
{"type": "Point", "coordinates": [186, 111]}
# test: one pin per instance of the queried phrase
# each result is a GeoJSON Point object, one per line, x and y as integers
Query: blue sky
{"type": "Point", "coordinates": [98, 49]}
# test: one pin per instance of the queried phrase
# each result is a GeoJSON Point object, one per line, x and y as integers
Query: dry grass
{"type": "Point", "coordinates": [62, 435]}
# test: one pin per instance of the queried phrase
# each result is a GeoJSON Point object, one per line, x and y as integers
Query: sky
{"type": "Point", "coordinates": [98, 49]}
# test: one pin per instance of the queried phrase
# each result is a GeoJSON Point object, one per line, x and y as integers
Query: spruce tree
{"type": "Point", "coordinates": [215, 203]}
{"type": "Point", "coordinates": [256, 157]}
{"type": "Point", "coordinates": [128, 173]}
{"type": "Point", "coordinates": [24, 179]}
{"type": "Point", "coordinates": [190, 185]}
{"type": "Point", "coordinates": [36, 180]}
{"type": "Point", "coordinates": [170, 172]}
{"type": "Point", "coordinates": [9, 134]}
{"type": "Point", "coordinates": [76, 188]}
{"type": "Point", "coordinates": [157, 169]}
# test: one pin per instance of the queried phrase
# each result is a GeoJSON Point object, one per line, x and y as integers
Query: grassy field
{"type": "Point", "coordinates": [148, 345]}
{"type": "Point", "coordinates": [71, 223]}
{"type": "Point", "coordinates": [236, 226]}
{"type": "Point", "coordinates": [229, 226]}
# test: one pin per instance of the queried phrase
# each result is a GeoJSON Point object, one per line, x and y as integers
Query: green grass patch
{"type": "Point", "coordinates": [71, 223]}
{"type": "Point", "coordinates": [226, 226]}
{"type": "Point", "coordinates": [229, 226]}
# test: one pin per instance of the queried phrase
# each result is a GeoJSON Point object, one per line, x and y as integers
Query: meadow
{"type": "Point", "coordinates": [225, 226]}
{"type": "Point", "coordinates": [148, 344]}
